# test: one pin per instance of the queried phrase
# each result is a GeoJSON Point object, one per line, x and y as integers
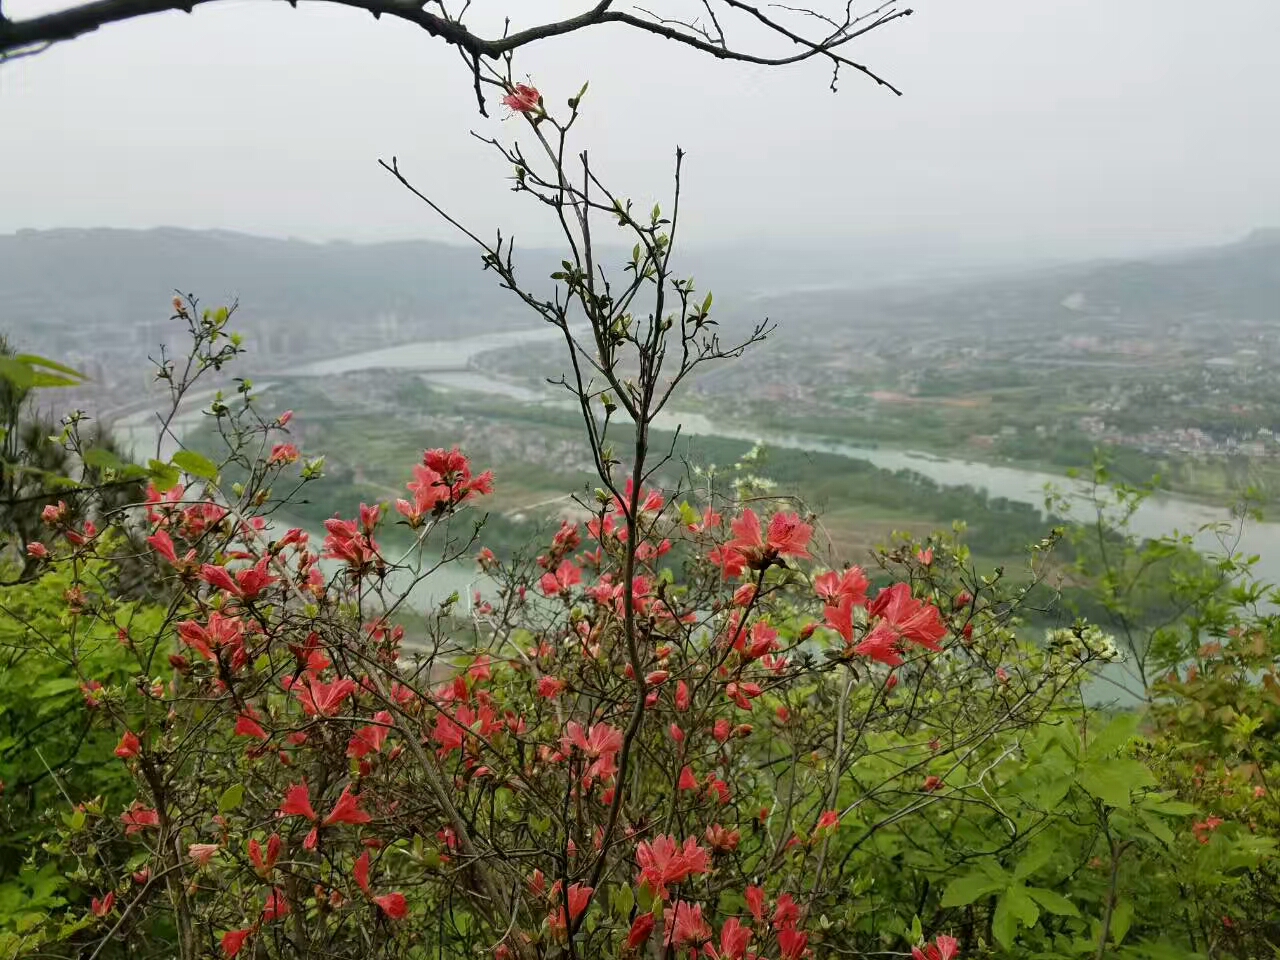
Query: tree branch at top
{"type": "Point", "coordinates": [35, 34]}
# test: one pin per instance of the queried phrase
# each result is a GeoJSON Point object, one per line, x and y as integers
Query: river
{"type": "Point", "coordinates": [1158, 516]}
{"type": "Point", "coordinates": [451, 364]}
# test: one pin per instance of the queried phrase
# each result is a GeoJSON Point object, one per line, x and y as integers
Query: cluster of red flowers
{"type": "Point", "coordinates": [352, 541]}
{"type": "Point", "coordinates": [59, 518]}
{"type": "Point", "coordinates": [238, 619]}
{"type": "Point", "coordinates": [442, 482]}
{"type": "Point", "coordinates": [894, 616]}
{"type": "Point", "coordinates": [756, 549]}
{"type": "Point", "coordinates": [1203, 829]}
{"type": "Point", "coordinates": [663, 860]}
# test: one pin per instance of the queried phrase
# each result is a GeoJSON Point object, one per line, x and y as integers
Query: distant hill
{"type": "Point", "coordinates": [92, 278]}
{"type": "Point", "coordinates": [1237, 283]}
{"type": "Point", "coordinates": [82, 278]}
{"type": "Point", "coordinates": [100, 296]}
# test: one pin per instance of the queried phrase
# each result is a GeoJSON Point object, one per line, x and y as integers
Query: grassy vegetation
{"type": "Point", "coordinates": [533, 451]}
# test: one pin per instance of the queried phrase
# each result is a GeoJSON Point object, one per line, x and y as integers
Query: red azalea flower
{"type": "Point", "coordinates": [221, 632]}
{"type": "Point", "coordinates": [297, 802]}
{"type": "Point", "coordinates": [322, 699]}
{"type": "Point", "coordinates": [663, 860]}
{"type": "Point", "coordinates": [792, 943]}
{"type": "Point", "coordinates": [128, 746]}
{"type": "Point", "coordinates": [579, 898]}
{"type": "Point", "coordinates": [346, 810]}
{"type": "Point", "coordinates": [734, 938]}
{"type": "Point", "coordinates": [233, 941]}
{"type": "Point", "coordinates": [138, 818]}
{"type": "Point", "coordinates": [566, 576]}
{"type": "Point", "coordinates": [787, 536]}
{"type": "Point", "coordinates": [264, 866]}
{"type": "Point", "coordinates": [283, 454]}
{"type": "Point", "coordinates": [370, 739]}
{"type": "Point", "coordinates": [785, 914]}
{"type": "Point", "coordinates": [393, 905]}
{"type": "Point", "coordinates": [852, 584]}
{"type": "Point", "coordinates": [904, 617]}
{"type": "Point", "coordinates": [602, 744]}
{"type": "Point", "coordinates": [682, 695]}
{"type": "Point", "coordinates": [641, 928]}
{"type": "Point", "coordinates": [550, 687]}
{"type": "Point", "coordinates": [721, 839]}
{"type": "Point", "coordinates": [247, 726]}
{"type": "Point", "coordinates": [687, 780]}
{"type": "Point", "coordinates": [685, 926]}
{"type": "Point", "coordinates": [755, 902]}
{"type": "Point", "coordinates": [276, 906]}
{"type": "Point", "coordinates": [943, 948]}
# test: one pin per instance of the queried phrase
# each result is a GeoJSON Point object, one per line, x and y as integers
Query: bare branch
{"type": "Point", "coordinates": [32, 35]}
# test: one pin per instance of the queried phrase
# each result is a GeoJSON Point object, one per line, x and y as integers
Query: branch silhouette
{"type": "Point", "coordinates": [32, 35]}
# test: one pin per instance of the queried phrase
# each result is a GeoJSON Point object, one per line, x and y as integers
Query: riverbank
{"type": "Point", "coordinates": [1160, 515]}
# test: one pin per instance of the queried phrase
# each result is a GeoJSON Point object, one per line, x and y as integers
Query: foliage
{"type": "Point", "coordinates": [60, 637]}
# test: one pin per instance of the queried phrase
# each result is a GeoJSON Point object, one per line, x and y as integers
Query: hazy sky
{"type": "Point", "coordinates": [1058, 126]}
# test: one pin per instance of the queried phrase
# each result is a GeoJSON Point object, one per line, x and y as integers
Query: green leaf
{"type": "Point", "coordinates": [623, 900]}
{"type": "Point", "coordinates": [163, 475]}
{"type": "Point", "coordinates": [1052, 902]}
{"type": "Point", "coordinates": [54, 686]}
{"type": "Point", "coordinates": [100, 458]}
{"type": "Point", "coordinates": [1121, 918]}
{"type": "Point", "coordinates": [1049, 793]}
{"type": "Point", "coordinates": [688, 515]}
{"type": "Point", "coordinates": [231, 798]}
{"type": "Point", "coordinates": [11, 945]}
{"type": "Point", "coordinates": [17, 373]}
{"type": "Point", "coordinates": [40, 372]}
{"type": "Point", "coordinates": [1014, 909]}
{"type": "Point", "coordinates": [1111, 781]}
{"type": "Point", "coordinates": [1157, 826]}
{"type": "Point", "coordinates": [34, 360]}
{"type": "Point", "coordinates": [41, 379]}
{"type": "Point", "coordinates": [1004, 924]}
{"type": "Point", "coordinates": [1169, 808]}
{"type": "Point", "coordinates": [1036, 857]}
{"type": "Point", "coordinates": [196, 464]}
{"type": "Point", "coordinates": [973, 886]}
{"type": "Point", "coordinates": [1114, 735]}
{"type": "Point", "coordinates": [917, 929]}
